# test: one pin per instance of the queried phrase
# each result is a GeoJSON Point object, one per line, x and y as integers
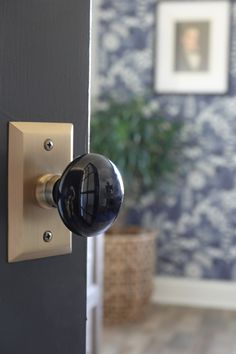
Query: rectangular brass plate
{"type": "Point", "coordinates": [27, 161]}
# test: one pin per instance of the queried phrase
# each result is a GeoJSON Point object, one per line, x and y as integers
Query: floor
{"type": "Point", "coordinates": [175, 330]}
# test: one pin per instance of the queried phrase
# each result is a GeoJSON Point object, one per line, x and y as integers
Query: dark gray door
{"type": "Point", "coordinates": [44, 59]}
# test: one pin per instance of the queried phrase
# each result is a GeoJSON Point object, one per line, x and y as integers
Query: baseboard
{"type": "Point", "coordinates": [197, 293]}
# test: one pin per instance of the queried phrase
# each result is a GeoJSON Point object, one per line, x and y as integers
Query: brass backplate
{"type": "Point", "coordinates": [27, 161]}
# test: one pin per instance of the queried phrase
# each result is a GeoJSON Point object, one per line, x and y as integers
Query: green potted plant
{"type": "Point", "coordinates": [144, 145]}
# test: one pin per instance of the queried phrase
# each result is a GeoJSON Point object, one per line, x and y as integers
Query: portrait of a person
{"type": "Point", "coordinates": [192, 47]}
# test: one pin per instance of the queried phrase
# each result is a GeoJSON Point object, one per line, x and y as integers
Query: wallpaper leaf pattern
{"type": "Point", "coordinates": [196, 223]}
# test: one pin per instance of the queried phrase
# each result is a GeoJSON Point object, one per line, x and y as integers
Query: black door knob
{"type": "Point", "coordinates": [88, 194]}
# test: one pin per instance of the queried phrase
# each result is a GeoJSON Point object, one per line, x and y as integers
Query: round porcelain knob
{"type": "Point", "coordinates": [88, 194]}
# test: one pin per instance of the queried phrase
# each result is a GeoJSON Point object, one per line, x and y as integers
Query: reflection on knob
{"type": "Point", "coordinates": [88, 195]}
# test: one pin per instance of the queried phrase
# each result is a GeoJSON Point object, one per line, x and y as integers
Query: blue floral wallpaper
{"type": "Point", "coordinates": [197, 221]}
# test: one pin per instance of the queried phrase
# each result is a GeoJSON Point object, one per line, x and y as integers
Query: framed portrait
{"type": "Point", "coordinates": [192, 46]}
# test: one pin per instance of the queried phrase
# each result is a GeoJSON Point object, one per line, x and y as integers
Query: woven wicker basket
{"type": "Point", "coordinates": [128, 283]}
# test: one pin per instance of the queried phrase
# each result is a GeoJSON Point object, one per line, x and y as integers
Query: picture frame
{"type": "Point", "coordinates": [192, 46]}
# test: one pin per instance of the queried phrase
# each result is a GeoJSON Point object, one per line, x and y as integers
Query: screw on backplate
{"type": "Point", "coordinates": [48, 144]}
{"type": "Point", "coordinates": [47, 236]}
